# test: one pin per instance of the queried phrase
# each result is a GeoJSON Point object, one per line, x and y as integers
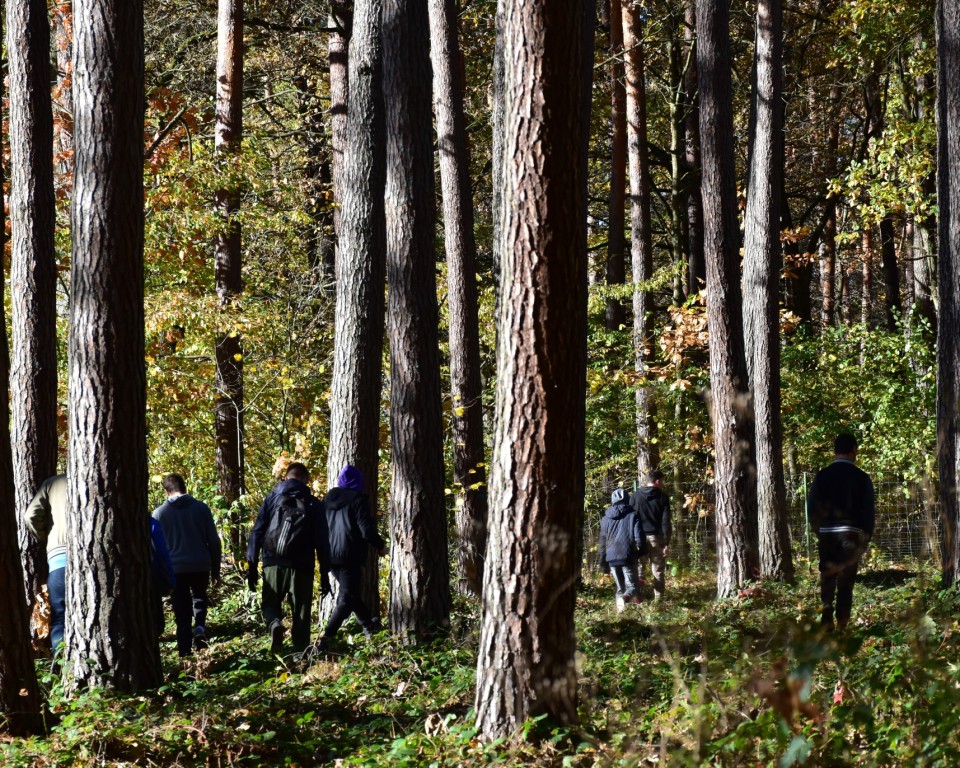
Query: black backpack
{"type": "Point", "coordinates": [289, 531]}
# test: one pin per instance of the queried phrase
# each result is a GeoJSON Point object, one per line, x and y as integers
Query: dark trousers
{"type": "Point", "coordinates": [348, 600]}
{"type": "Point", "coordinates": [297, 584]}
{"type": "Point", "coordinates": [189, 606]}
{"type": "Point", "coordinates": [840, 555]}
{"type": "Point", "coordinates": [57, 587]}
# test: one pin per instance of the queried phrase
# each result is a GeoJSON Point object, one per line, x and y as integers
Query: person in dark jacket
{"type": "Point", "coordinates": [161, 568]}
{"type": "Point", "coordinates": [289, 574]}
{"type": "Point", "coordinates": [350, 533]}
{"type": "Point", "coordinates": [195, 552]}
{"type": "Point", "coordinates": [840, 508]}
{"type": "Point", "coordinates": [620, 543]}
{"type": "Point", "coordinates": [652, 506]}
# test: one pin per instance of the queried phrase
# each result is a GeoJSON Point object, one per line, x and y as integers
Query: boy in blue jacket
{"type": "Point", "coordinates": [621, 540]}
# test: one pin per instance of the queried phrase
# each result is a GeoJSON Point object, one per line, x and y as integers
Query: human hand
{"type": "Point", "coordinates": [252, 577]}
{"type": "Point", "coordinates": [666, 550]}
{"type": "Point", "coordinates": [325, 589]}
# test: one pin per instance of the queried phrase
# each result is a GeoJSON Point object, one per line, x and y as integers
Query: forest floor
{"type": "Point", "coordinates": [686, 681]}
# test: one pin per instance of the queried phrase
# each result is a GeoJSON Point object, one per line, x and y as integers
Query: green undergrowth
{"type": "Point", "coordinates": [686, 681]}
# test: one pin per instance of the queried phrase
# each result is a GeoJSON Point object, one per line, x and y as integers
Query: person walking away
{"type": "Point", "coordinates": [46, 519]}
{"type": "Point", "coordinates": [619, 547]}
{"type": "Point", "coordinates": [841, 511]}
{"type": "Point", "coordinates": [161, 568]}
{"type": "Point", "coordinates": [350, 533]}
{"type": "Point", "coordinates": [289, 532]}
{"type": "Point", "coordinates": [652, 506]}
{"type": "Point", "coordinates": [195, 552]}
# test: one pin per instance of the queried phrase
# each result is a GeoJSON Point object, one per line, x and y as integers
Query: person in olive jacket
{"type": "Point", "coordinates": [351, 533]}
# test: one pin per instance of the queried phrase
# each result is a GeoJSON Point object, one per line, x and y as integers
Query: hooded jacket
{"type": "Point", "coordinates": [46, 516]}
{"type": "Point", "coordinates": [620, 536]}
{"type": "Point", "coordinates": [303, 560]}
{"type": "Point", "coordinates": [190, 533]}
{"type": "Point", "coordinates": [653, 512]}
{"type": "Point", "coordinates": [841, 499]}
{"type": "Point", "coordinates": [350, 528]}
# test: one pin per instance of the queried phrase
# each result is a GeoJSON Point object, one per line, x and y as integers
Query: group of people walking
{"type": "Point", "coordinates": [294, 531]}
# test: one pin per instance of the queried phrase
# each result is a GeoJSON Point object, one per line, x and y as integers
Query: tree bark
{"type": "Point", "coordinates": [866, 295]}
{"type": "Point", "coordinates": [762, 262]}
{"type": "Point", "coordinates": [948, 273]}
{"type": "Point", "coordinates": [696, 267]}
{"type": "Point", "coordinates": [678, 203]}
{"type": "Point", "coordinates": [341, 19]}
{"type": "Point", "coordinates": [419, 573]}
{"type": "Point", "coordinates": [319, 234]}
{"type": "Point", "coordinates": [828, 243]}
{"type": "Point", "coordinates": [641, 237]}
{"type": "Point", "coordinates": [469, 469]}
{"type": "Point", "coordinates": [33, 270]}
{"type": "Point", "coordinates": [227, 254]}
{"type": "Point", "coordinates": [527, 643]}
{"type": "Point", "coordinates": [616, 314]}
{"type": "Point", "coordinates": [357, 383]}
{"type": "Point", "coordinates": [892, 303]}
{"type": "Point", "coordinates": [731, 409]}
{"type": "Point", "coordinates": [497, 123]}
{"type": "Point", "coordinates": [20, 702]}
{"type": "Point", "coordinates": [110, 635]}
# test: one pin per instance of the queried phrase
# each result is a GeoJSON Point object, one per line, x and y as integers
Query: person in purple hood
{"type": "Point", "coordinates": [350, 531]}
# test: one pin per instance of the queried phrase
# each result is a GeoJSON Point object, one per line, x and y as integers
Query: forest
{"type": "Point", "coordinates": [479, 286]}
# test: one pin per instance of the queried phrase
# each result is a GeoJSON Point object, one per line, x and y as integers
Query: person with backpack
{"type": "Point", "coordinates": [195, 552]}
{"type": "Point", "coordinates": [620, 544]}
{"type": "Point", "coordinates": [652, 506]}
{"type": "Point", "coordinates": [350, 533]}
{"type": "Point", "coordinates": [290, 535]}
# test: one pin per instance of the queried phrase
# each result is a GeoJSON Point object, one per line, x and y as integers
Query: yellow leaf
{"type": "Point", "coordinates": [238, 357]}
{"type": "Point", "coordinates": [459, 411]}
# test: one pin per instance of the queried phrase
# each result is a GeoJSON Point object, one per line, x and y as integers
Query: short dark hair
{"type": "Point", "coordinates": [297, 471]}
{"type": "Point", "coordinates": [173, 483]}
{"type": "Point", "coordinates": [844, 444]}
{"type": "Point", "coordinates": [654, 475]}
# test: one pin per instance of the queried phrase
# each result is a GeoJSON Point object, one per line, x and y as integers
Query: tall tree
{"type": "Point", "coordinates": [641, 229]}
{"type": "Point", "coordinates": [361, 272]}
{"type": "Point", "coordinates": [762, 261]}
{"type": "Point", "coordinates": [892, 303]}
{"type": "Point", "coordinates": [341, 24]}
{"type": "Point", "coordinates": [731, 409]}
{"type": "Point", "coordinates": [33, 267]}
{"type": "Point", "coordinates": [419, 573]}
{"type": "Point", "coordinates": [616, 267]}
{"type": "Point", "coordinates": [526, 663]}
{"type": "Point", "coordinates": [110, 635]}
{"type": "Point", "coordinates": [469, 471]}
{"type": "Point", "coordinates": [696, 268]}
{"type": "Point", "coordinates": [227, 256]}
{"type": "Point", "coordinates": [828, 244]}
{"type": "Point", "coordinates": [948, 274]}
{"type": "Point", "coordinates": [20, 700]}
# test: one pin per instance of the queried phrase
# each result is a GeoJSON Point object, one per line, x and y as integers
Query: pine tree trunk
{"type": "Point", "coordinates": [20, 702]}
{"type": "Point", "coordinates": [762, 262]}
{"type": "Point", "coordinates": [469, 469]}
{"type": "Point", "coordinates": [696, 267]}
{"type": "Point", "coordinates": [319, 237]}
{"type": "Point", "coordinates": [948, 273]}
{"type": "Point", "coordinates": [616, 314]}
{"type": "Point", "coordinates": [893, 304]}
{"type": "Point", "coordinates": [110, 635]}
{"type": "Point", "coordinates": [641, 238]}
{"type": "Point", "coordinates": [357, 384]}
{"type": "Point", "coordinates": [828, 243]}
{"type": "Point", "coordinates": [731, 410]}
{"type": "Point", "coordinates": [497, 123]}
{"type": "Point", "coordinates": [419, 571]}
{"type": "Point", "coordinates": [678, 203]}
{"type": "Point", "coordinates": [228, 406]}
{"type": "Point", "coordinates": [925, 228]}
{"type": "Point", "coordinates": [33, 269]}
{"type": "Point", "coordinates": [527, 643]}
{"type": "Point", "coordinates": [341, 19]}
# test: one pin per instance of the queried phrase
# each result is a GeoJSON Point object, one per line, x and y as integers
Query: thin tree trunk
{"type": "Point", "coordinates": [696, 267]}
{"type": "Point", "coordinates": [361, 273]}
{"type": "Point", "coordinates": [893, 305]}
{"type": "Point", "coordinates": [731, 409]}
{"type": "Point", "coordinates": [866, 296]}
{"type": "Point", "coordinates": [341, 19]}
{"type": "Point", "coordinates": [616, 314]}
{"type": "Point", "coordinates": [828, 244]}
{"type": "Point", "coordinates": [469, 469]}
{"type": "Point", "coordinates": [641, 238]}
{"type": "Point", "coordinates": [948, 273]}
{"type": "Point", "coordinates": [925, 228]}
{"type": "Point", "coordinates": [228, 406]}
{"type": "Point", "coordinates": [33, 269]}
{"type": "Point", "coordinates": [419, 571]}
{"type": "Point", "coordinates": [319, 236]}
{"type": "Point", "coordinates": [678, 205]}
{"type": "Point", "coordinates": [762, 261]}
{"type": "Point", "coordinates": [20, 702]}
{"type": "Point", "coordinates": [111, 639]}
{"type": "Point", "coordinates": [527, 645]}
{"type": "Point", "coordinates": [497, 123]}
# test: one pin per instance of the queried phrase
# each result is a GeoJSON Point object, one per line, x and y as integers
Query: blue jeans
{"type": "Point", "coordinates": [57, 587]}
{"type": "Point", "coordinates": [625, 579]}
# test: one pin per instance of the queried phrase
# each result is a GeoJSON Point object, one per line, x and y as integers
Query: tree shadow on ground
{"type": "Point", "coordinates": [884, 578]}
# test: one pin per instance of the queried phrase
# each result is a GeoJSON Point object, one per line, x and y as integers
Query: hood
{"type": "Point", "coordinates": [650, 492]}
{"type": "Point", "coordinates": [339, 497]}
{"type": "Point", "coordinates": [293, 488]}
{"type": "Point", "coordinates": [350, 477]}
{"type": "Point", "coordinates": [182, 501]}
{"type": "Point", "coordinates": [619, 496]}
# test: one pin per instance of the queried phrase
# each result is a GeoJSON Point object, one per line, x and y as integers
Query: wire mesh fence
{"type": "Point", "coordinates": [907, 521]}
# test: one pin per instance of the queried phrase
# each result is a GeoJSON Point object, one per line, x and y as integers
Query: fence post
{"type": "Point", "coordinates": [806, 517]}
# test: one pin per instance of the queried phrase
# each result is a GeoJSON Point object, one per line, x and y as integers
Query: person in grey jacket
{"type": "Point", "coordinates": [46, 519]}
{"type": "Point", "coordinates": [195, 552]}
{"type": "Point", "coordinates": [620, 544]}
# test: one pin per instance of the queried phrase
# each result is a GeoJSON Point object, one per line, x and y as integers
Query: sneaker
{"type": "Point", "coordinates": [276, 637]}
{"type": "Point", "coordinates": [621, 604]}
{"type": "Point", "coordinates": [375, 627]}
{"type": "Point", "coordinates": [200, 637]}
